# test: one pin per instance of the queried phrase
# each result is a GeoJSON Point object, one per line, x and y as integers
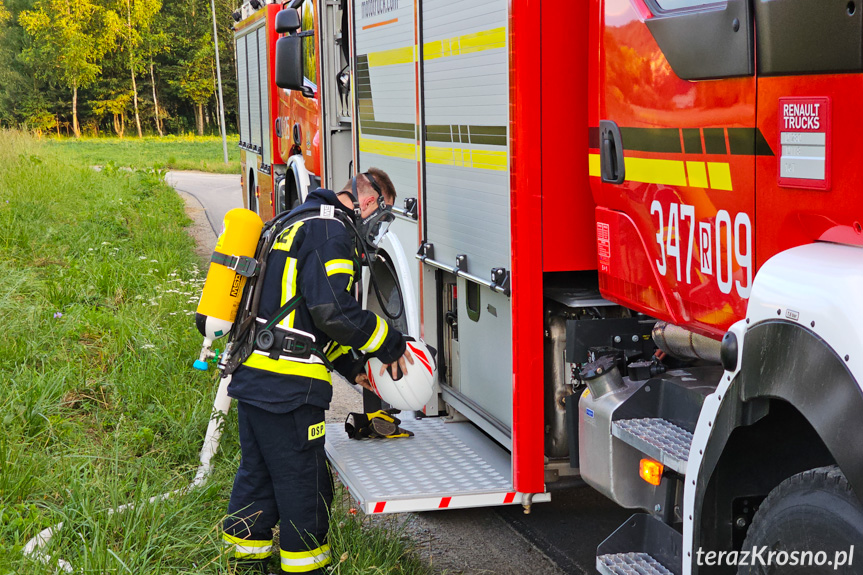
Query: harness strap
{"type": "Point", "coordinates": [243, 265]}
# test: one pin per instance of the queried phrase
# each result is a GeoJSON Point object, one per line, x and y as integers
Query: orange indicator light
{"type": "Point", "coordinates": [651, 471]}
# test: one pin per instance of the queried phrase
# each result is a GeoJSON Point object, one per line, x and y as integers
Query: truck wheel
{"type": "Point", "coordinates": [812, 524]}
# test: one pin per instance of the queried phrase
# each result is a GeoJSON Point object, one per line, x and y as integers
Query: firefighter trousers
{"type": "Point", "coordinates": [283, 477]}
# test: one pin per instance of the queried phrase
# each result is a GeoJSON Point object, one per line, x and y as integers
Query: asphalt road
{"type": "Point", "coordinates": [216, 193]}
{"type": "Point", "coordinates": [557, 537]}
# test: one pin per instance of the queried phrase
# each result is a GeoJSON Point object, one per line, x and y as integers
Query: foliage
{"type": "Point", "coordinates": [161, 54]}
{"type": "Point", "coordinates": [99, 405]}
{"type": "Point", "coordinates": [69, 39]}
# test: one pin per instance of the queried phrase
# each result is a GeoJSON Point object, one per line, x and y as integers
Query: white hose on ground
{"type": "Point", "coordinates": [34, 548]}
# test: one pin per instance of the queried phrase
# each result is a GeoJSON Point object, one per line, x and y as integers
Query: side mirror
{"type": "Point", "coordinates": [289, 62]}
{"type": "Point", "coordinates": [287, 21]}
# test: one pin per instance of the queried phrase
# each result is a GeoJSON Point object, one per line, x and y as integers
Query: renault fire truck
{"type": "Point", "coordinates": [633, 229]}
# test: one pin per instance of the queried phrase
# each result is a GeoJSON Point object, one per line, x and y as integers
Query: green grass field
{"type": "Point", "coordinates": [204, 153]}
{"type": "Point", "coordinates": [98, 402]}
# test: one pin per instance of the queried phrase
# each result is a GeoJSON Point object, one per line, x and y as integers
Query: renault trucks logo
{"type": "Point", "coordinates": [372, 8]}
{"type": "Point", "coordinates": [804, 131]}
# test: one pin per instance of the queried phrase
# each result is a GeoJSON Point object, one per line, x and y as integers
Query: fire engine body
{"type": "Point", "coordinates": [581, 182]}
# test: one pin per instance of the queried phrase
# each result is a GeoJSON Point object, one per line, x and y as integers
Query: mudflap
{"type": "Point", "coordinates": [443, 466]}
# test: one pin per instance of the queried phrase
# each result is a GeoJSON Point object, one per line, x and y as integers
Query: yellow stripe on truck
{"type": "Point", "coordinates": [455, 46]}
{"type": "Point", "coordinates": [465, 44]}
{"type": "Point", "coordinates": [405, 150]}
{"type": "Point", "coordinates": [443, 155]}
{"type": "Point", "coordinates": [668, 172]}
{"type": "Point", "coordinates": [716, 176]}
{"type": "Point", "coordinates": [404, 55]}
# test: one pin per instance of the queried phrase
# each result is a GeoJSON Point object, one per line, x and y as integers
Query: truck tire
{"type": "Point", "coordinates": [815, 511]}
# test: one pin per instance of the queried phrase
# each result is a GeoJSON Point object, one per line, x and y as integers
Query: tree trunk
{"type": "Point", "coordinates": [135, 100]}
{"type": "Point", "coordinates": [132, 67]}
{"type": "Point", "coordinates": [155, 101]}
{"type": "Point", "coordinates": [199, 116]}
{"type": "Point", "coordinates": [75, 127]}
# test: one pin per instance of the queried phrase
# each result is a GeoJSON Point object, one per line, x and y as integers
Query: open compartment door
{"type": "Point", "coordinates": [443, 466]}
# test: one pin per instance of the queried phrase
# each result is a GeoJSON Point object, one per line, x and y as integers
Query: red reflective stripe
{"type": "Point", "coordinates": [379, 506]}
{"type": "Point", "coordinates": [510, 497]}
{"type": "Point", "coordinates": [444, 502]}
{"type": "Point", "coordinates": [372, 379]}
{"type": "Point", "coordinates": [420, 356]}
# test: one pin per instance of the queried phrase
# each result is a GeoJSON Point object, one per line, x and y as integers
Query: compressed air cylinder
{"type": "Point", "coordinates": [223, 288]}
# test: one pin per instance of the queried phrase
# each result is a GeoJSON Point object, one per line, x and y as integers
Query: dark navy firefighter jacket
{"type": "Point", "coordinates": [314, 257]}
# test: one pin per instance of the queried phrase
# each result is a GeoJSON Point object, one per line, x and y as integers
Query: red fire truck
{"type": "Point", "coordinates": [633, 228]}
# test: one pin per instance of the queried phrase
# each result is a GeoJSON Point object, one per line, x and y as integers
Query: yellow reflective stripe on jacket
{"type": "Point", "coordinates": [289, 288]}
{"type": "Point", "coordinates": [339, 267]}
{"type": "Point", "coordinates": [286, 238]}
{"type": "Point", "coordinates": [378, 337]}
{"type": "Point", "coordinates": [248, 548]}
{"type": "Point", "coordinates": [337, 352]}
{"type": "Point", "coordinates": [288, 367]}
{"type": "Point", "coordinates": [304, 561]}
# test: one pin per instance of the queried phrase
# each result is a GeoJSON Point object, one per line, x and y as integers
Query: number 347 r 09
{"type": "Point", "coordinates": [712, 246]}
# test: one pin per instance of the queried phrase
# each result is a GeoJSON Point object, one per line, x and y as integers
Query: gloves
{"type": "Point", "coordinates": [379, 424]}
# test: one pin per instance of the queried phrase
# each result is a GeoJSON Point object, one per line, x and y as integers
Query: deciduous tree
{"type": "Point", "coordinates": [69, 40]}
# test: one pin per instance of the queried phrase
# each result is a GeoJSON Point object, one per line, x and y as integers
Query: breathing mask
{"type": "Point", "coordinates": [372, 228]}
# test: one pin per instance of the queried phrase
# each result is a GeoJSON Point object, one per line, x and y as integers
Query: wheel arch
{"type": "Point", "coordinates": [790, 381]}
{"type": "Point", "coordinates": [296, 168]}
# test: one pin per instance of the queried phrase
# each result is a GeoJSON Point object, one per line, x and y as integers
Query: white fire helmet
{"type": "Point", "coordinates": [409, 391]}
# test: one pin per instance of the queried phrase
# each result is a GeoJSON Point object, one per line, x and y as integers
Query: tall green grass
{"type": "Point", "coordinates": [204, 153]}
{"type": "Point", "coordinates": [98, 404]}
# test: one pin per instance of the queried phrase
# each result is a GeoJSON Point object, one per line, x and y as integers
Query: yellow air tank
{"type": "Point", "coordinates": [223, 288]}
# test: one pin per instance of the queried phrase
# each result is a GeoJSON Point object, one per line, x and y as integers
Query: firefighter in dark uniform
{"type": "Point", "coordinates": [283, 475]}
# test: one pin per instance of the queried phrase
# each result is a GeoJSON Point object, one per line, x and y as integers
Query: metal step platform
{"type": "Point", "coordinates": [657, 438]}
{"type": "Point", "coordinates": [443, 466]}
{"type": "Point", "coordinates": [642, 546]}
{"type": "Point", "coordinates": [630, 564]}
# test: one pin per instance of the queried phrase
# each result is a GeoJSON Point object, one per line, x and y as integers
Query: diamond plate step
{"type": "Point", "coordinates": [657, 438]}
{"type": "Point", "coordinates": [630, 564]}
{"type": "Point", "coordinates": [443, 466]}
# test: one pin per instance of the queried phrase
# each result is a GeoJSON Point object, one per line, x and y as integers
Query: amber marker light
{"type": "Point", "coordinates": [651, 471]}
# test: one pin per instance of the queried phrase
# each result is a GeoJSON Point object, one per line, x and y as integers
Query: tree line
{"type": "Point", "coordinates": [124, 66]}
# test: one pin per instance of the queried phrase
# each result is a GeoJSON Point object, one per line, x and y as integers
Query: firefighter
{"type": "Point", "coordinates": [282, 395]}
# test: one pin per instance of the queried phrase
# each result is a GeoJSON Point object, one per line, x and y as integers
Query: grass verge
{"type": "Point", "coordinates": [99, 405]}
{"type": "Point", "coordinates": [204, 153]}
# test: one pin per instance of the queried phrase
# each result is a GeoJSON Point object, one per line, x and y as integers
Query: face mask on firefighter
{"type": "Point", "coordinates": [373, 227]}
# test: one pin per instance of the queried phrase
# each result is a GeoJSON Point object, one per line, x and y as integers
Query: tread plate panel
{"type": "Point", "coordinates": [630, 564]}
{"type": "Point", "coordinates": [660, 439]}
{"type": "Point", "coordinates": [452, 461]}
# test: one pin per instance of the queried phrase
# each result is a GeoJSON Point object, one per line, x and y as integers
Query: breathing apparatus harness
{"type": "Point", "coordinates": [251, 333]}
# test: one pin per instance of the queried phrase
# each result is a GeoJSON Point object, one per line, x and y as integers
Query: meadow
{"type": "Point", "coordinates": [99, 404]}
{"type": "Point", "coordinates": [203, 153]}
